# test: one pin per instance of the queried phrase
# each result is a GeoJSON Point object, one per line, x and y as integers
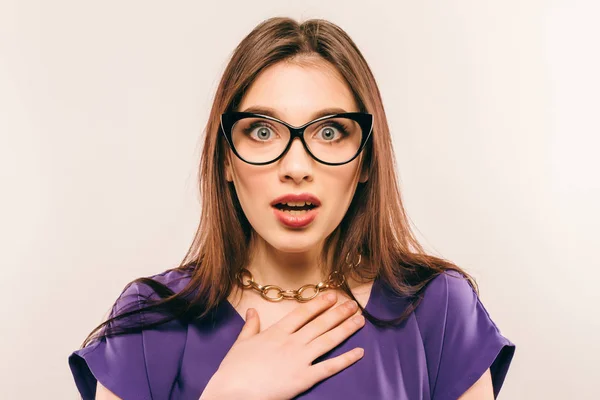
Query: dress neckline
{"type": "Point", "coordinates": [368, 306]}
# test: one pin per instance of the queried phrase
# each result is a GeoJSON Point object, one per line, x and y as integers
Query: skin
{"type": "Point", "coordinates": [481, 390]}
{"type": "Point", "coordinates": [284, 256]}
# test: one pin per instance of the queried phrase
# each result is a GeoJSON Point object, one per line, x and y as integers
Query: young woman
{"type": "Point", "coordinates": [299, 200]}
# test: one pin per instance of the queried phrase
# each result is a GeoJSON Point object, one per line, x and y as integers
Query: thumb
{"type": "Point", "coordinates": [252, 325]}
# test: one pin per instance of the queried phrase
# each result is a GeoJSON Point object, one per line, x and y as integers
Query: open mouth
{"type": "Point", "coordinates": [294, 210]}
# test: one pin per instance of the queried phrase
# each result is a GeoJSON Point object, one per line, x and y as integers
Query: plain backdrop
{"type": "Point", "coordinates": [493, 107]}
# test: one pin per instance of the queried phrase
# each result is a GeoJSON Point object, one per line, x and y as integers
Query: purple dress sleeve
{"type": "Point", "coordinates": [460, 338]}
{"type": "Point", "coordinates": [133, 365]}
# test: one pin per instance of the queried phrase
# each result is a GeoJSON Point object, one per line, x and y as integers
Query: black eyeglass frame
{"type": "Point", "coordinates": [365, 120]}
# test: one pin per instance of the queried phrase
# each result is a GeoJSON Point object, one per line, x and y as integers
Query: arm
{"type": "Point", "coordinates": [466, 348]}
{"type": "Point", "coordinates": [103, 393]}
{"type": "Point", "coordinates": [481, 390]}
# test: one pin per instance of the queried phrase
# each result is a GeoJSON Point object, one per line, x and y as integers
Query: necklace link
{"type": "Point", "coordinates": [334, 281]}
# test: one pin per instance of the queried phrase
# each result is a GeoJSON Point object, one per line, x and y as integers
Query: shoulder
{"type": "Point", "coordinates": [450, 303]}
{"type": "Point", "coordinates": [460, 338]}
{"type": "Point", "coordinates": [450, 283]}
{"type": "Point", "coordinates": [448, 291]}
{"type": "Point", "coordinates": [175, 279]}
{"type": "Point", "coordinates": [139, 289]}
{"type": "Point", "coordinates": [135, 365]}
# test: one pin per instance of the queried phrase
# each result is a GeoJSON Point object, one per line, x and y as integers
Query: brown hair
{"type": "Point", "coordinates": [375, 223]}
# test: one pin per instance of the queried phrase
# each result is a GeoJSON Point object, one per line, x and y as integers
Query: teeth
{"type": "Point", "coordinates": [298, 203]}
{"type": "Point", "coordinates": [295, 212]}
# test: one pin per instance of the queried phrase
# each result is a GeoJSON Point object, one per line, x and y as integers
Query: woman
{"type": "Point", "coordinates": [284, 223]}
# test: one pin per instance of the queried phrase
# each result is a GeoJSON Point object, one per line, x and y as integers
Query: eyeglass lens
{"type": "Point", "coordinates": [333, 140]}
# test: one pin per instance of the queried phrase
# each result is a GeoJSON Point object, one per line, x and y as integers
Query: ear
{"type": "Point", "coordinates": [363, 177]}
{"type": "Point", "coordinates": [364, 173]}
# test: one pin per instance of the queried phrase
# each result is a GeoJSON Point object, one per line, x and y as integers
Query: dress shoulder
{"type": "Point", "coordinates": [461, 340]}
{"type": "Point", "coordinates": [141, 365]}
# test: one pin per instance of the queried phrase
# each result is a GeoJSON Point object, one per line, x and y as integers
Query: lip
{"type": "Point", "coordinates": [296, 221]}
{"type": "Point", "coordinates": [291, 197]}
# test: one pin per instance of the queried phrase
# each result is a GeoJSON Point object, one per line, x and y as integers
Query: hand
{"type": "Point", "coordinates": [277, 363]}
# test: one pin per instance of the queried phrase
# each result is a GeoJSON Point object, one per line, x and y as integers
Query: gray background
{"type": "Point", "coordinates": [494, 110]}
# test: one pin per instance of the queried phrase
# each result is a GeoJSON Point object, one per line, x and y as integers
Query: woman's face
{"type": "Point", "coordinates": [296, 93]}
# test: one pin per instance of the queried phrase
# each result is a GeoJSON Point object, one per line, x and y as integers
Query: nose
{"type": "Point", "coordinates": [296, 164]}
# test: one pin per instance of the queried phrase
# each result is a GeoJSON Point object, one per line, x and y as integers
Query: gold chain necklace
{"type": "Point", "coordinates": [291, 294]}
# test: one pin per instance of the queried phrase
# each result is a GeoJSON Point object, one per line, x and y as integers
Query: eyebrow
{"type": "Point", "coordinates": [273, 113]}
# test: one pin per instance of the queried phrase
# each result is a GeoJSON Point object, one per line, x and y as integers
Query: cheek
{"type": "Point", "coordinates": [340, 188]}
{"type": "Point", "coordinates": [251, 188]}
{"type": "Point", "coordinates": [334, 185]}
{"type": "Point", "coordinates": [250, 183]}
{"type": "Point", "coordinates": [343, 178]}
{"type": "Point", "coordinates": [245, 176]}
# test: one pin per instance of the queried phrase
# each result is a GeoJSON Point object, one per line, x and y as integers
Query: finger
{"type": "Point", "coordinates": [252, 325]}
{"type": "Point", "coordinates": [326, 321]}
{"type": "Point", "coordinates": [335, 336]}
{"type": "Point", "coordinates": [296, 319]}
{"type": "Point", "coordinates": [327, 368]}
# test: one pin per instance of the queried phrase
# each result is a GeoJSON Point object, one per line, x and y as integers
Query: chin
{"type": "Point", "coordinates": [296, 242]}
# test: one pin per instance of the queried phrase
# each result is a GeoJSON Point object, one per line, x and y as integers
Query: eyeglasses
{"type": "Point", "coordinates": [261, 139]}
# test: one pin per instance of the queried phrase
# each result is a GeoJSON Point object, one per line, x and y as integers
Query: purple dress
{"type": "Point", "coordinates": [437, 353]}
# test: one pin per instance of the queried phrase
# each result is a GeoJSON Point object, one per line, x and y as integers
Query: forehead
{"type": "Point", "coordinates": [299, 93]}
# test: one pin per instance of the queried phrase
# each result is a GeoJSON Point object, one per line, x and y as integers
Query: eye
{"type": "Point", "coordinates": [262, 134]}
{"type": "Point", "coordinates": [329, 129]}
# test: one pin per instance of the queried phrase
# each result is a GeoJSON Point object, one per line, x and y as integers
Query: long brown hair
{"type": "Point", "coordinates": [375, 224]}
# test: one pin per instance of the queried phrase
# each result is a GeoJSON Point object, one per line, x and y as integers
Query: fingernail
{"type": "Point", "coordinates": [351, 305]}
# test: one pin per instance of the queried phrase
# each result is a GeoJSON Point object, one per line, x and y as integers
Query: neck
{"type": "Point", "coordinates": [286, 269]}
{"type": "Point", "coordinates": [290, 271]}
{"type": "Point", "coordinates": [270, 266]}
